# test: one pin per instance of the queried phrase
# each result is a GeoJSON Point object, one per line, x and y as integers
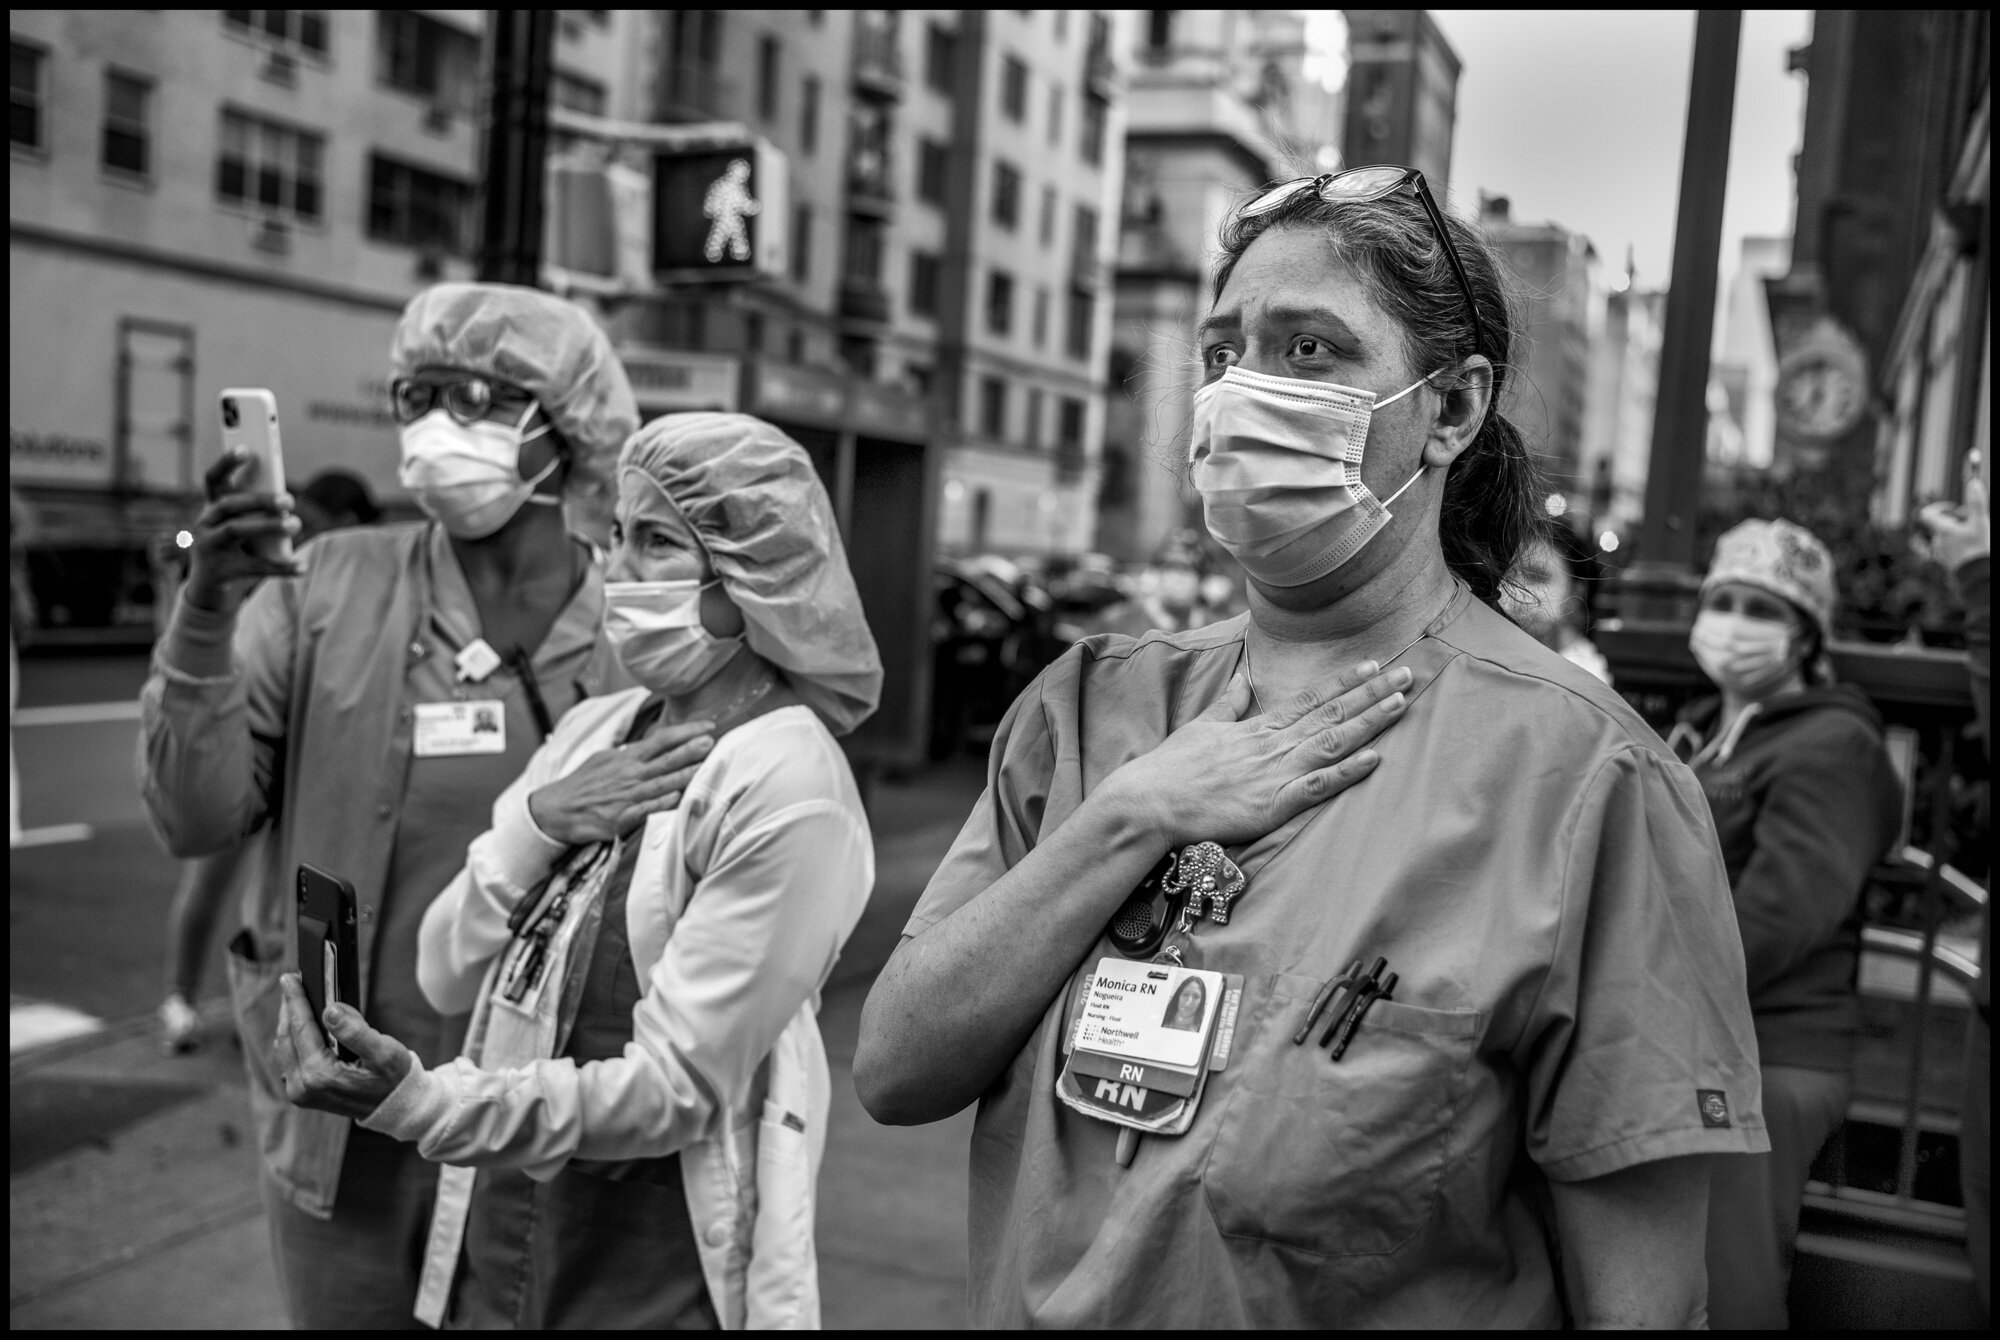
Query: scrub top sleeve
{"type": "Point", "coordinates": [1006, 821]}
{"type": "Point", "coordinates": [1640, 1045]}
{"type": "Point", "coordinates": [1830, 812]}
{"type": "Point", "coordinates": [211, 745]}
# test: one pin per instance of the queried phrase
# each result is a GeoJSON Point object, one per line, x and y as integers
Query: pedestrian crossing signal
{"type": "Point", "coordinates": [719, 213]}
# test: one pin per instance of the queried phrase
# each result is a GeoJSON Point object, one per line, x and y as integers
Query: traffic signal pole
{"type": "Point", "coordinates": [517, 144]}
{"type": "Point", "coordinates": [1660, 585]}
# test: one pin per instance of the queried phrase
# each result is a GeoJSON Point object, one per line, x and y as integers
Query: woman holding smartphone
{"type": "Point", "coordinates": [326, 699]}
{"type": "Point", "coordinates": [637, 1122]}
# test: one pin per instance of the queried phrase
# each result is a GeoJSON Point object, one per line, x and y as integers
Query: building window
{"type": "Point", "coordinates": [1046, 234]}
{"type": "Point", "coordinates": [1055, 112]}
{"type": "Point", "coordinates": [767, 77]}
{"type": "Point", "coordinates": [753, 332]}
{"type": "Point", "coordinates": [1076, 341]}
{"type": "Point", "coordinates": [1069, 424]}
{"type": "Point", "coordinates": [1031, 431]}
{"type": "Point", "coordinates": [933, 160]}
{"type": "Point", "coordinates": [417, 54]}
{"type": "Point", "coordinates": [302, 28]}
{"type": "Point", "coordinates": [1040, 332]}
{"type": "Point", "coordinates": [1006, 195]}
{"type": "Point", "coordinates": [127, 145]}
{"type": "Point", "coordinates": [866, 243]}
{"type": "Point", "coordinates": [795, 346]}
{"type": "Point", "coordinates": [1014, 88]}
{"type": "Point", "coordinates": [1095, 109]}
{"type": "Point", "coordinates": [925, 273]}
{"type": "Point", "coordinates": [802, 232]}
{"type": "Point", "coordinates": [25, 67]}
{"type": "Point", "coordinates": [993, 408]}
{"type": "Point", "coordinates": [999, 302]}
{"type": "Point", "coordinates": [414, 207]}
{"type": "Point", "coordinates": [940, 55]}
{"type": "Point", "coordinates": [1159, 29]}
{"type": "Point", "coordinates": [269, 167]}
{"type": "Point", "coordinates": [809, 115]}
{"type": "Point", "coordinates": [1083, 246]}
{"type": "Point", "coordinates": [577, 94]}
{"type": "Point", "coordinates": [691, 87]}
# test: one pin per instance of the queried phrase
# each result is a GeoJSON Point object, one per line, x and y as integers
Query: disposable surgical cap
{"type": "Point", "coordinates": [548, 347]}
{"type": "Point", "coordinates": [758, 508]}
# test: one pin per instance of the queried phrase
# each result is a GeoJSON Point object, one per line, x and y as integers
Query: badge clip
{"type": "Point", "coordinates": [476, 661]}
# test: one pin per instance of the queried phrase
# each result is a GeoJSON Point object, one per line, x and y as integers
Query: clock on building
{"type": "Point", "coordinates": [1822, 385]}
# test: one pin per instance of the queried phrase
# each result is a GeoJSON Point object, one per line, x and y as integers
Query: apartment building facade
{"type": "Point", "coordinates": [1220, 104]}
{"type": "Point", "coordinates": [210, 198]}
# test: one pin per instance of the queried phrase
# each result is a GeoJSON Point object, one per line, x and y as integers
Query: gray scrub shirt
{"type": "Point", "coordinates": [1543, 875]}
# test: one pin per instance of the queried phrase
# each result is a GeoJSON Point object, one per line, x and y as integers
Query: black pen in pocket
{"type": "Point", "coordinates": [1369, 995]}
{"type": "Point", "coordinates": [1319, 1000]}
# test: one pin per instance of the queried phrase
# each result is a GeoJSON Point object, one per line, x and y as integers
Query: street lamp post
{"type": "Point", "coordinates": [1659, 587]}
{"type": "Point", "coordinates": [517, 144]}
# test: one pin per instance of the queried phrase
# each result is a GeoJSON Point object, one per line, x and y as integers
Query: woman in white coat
{"type": "Point", "coordinates": [635, 1128]}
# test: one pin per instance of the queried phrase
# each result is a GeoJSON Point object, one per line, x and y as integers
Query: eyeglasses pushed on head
{"type": "Point", "coordinates": [1360, 185]}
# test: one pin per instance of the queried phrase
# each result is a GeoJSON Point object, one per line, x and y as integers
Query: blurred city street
{"type": "Point", "coordinates": [132, 1191]}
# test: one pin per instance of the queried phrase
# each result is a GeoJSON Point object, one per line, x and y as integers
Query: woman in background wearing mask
{"type": "Point", "coordinates": [1805, 803]}
{"type": "Point", "coordinates": [1538, 872]}
{"type": "Point", "coordinates": [335, 706]}
{"type": "Point", "coordinates": [644, 1095]}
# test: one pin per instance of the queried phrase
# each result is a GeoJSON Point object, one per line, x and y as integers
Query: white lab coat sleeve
{"type": "Point", "coordinates": [759, 936]}
{"type": "Point", "coordinates": [466, 925]}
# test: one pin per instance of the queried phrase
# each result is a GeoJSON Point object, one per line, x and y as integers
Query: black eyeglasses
{"type": "Point", "coordinates": [1375, 183]}
{"type": "Point", "coordinates": [466, 396]}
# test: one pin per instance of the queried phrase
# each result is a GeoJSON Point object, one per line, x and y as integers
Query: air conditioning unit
{"type": "Point", "coordinates": [272, 235]}
{"type": "Point", "coordinates": [281, 67]}
{"type": "Point", "coordinates": [437, 118]}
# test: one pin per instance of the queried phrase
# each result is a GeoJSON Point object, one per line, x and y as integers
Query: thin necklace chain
{"type": "Point", "coordinates": [1249, 671]}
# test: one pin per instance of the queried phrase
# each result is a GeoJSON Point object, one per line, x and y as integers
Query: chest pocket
{"type": "Point", "coordinates": [1337, 1159]}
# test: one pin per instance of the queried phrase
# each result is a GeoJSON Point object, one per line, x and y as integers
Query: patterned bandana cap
{"type": "Point", "coordinates": [1777, 556]}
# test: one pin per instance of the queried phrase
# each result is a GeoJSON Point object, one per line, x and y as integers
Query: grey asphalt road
{"type": "Point", "coordinates": [132, 1191]}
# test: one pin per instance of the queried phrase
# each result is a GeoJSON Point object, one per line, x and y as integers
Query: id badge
{"type": "Point", "coordinates": [1143, 1040]}
{"type": "Point", "coordinates": [448, 729]}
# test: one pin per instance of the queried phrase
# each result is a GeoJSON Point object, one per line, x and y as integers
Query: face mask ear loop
{"type": "Point", "coordinates": [1406, 487]}
{"type": "Point", "coordinates": [1421, 381]}
{"type": "Point", "coordinates": [538, 499]}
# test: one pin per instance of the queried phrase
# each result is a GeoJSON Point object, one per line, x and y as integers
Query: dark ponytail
{"type": "Point", "coordinates": [1492, 503]}
{"type": "Point", "coordinates": [1495, 490]}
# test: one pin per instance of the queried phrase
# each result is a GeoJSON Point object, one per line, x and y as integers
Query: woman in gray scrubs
{"type": "Point", "coordinates": [1394, 771]}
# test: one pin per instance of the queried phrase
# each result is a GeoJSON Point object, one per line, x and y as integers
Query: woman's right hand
{"type": "Point", "coordinates": [615, 789]}
{"type": "Point", "coordinates": [231, 535]}
{"type": "Point", "coordinates": [1222, 779]}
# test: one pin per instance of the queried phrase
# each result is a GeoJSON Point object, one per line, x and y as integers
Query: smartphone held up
{"type": "Point", "coordinates": [250, 429]}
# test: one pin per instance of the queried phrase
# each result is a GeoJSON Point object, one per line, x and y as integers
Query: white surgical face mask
{"type": "Point", "coordinates": [467, 477]}
{"type": "Point", "coordinates": [655, 627]}
{"type": "Point", "coordinates": [1277, 461]}
{"type": "Point", "coordinates": [1748, 657]}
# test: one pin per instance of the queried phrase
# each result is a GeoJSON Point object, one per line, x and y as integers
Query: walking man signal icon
{"type": "Point", "coordinates": [729, 205]}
